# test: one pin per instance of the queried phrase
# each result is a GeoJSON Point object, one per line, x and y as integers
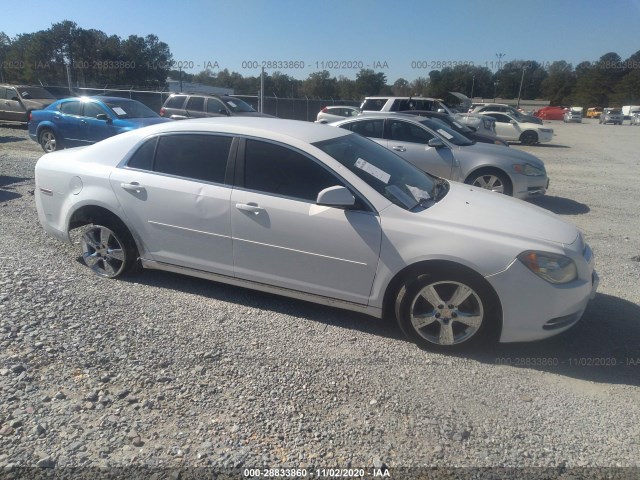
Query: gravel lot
{"type": "Point", "coordinates": [161, 370]}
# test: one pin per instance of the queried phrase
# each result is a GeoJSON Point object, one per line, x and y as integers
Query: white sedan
{"type": "Point", "coordinates": [512, 129]}
{"type": "Point", "coordinates": [336, 113]}
{"type": "Point", "coordinates": [322, 214]}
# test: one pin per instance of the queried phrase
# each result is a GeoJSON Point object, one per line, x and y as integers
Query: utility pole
{"type": "Point", "coordinates": [473, 83]}
{"type": "Point", "coordinates": [520, 90]}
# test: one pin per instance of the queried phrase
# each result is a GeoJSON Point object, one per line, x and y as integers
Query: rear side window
{"type": "Point", "coordinates": [143, 158]}
{"type": "Point", "coordinates": [71, 108]}
{"type": "Point", "coordinates": [374, 104]}
{"type": "Point", "coordinates": [366, 128]}
{"type": "Point", "coordinates": [176, 101]}
{"type": "Point", "coordinates": [199, 157]}
{"type": "Point", "coordinates": [196, 103]}
{"type": "Point", "coordinates": [277, 170]}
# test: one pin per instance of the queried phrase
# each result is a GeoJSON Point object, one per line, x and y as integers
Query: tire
{"type": "Point", "coordinates": [48, 140]}
{"type": "Point", "coordinates": [491, 179]}
{"type": "Point", "coordinates": [529, 138]}
{"type": "Point", "coordinates": [108, 250]}
{"type": "Point", "coordinates": [449, 309]}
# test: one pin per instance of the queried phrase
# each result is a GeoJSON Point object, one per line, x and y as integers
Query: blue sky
{"type": "Point", "coordinates": [365, 33]}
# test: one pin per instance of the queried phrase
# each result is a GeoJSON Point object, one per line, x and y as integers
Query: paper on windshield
{"type": "Point", "coordinates": [119, 111]}
{"type": "Point", "coordinates": [445, 134]}
{"type": "Point", "coordinates": [373, 170]}
{"type": "Point", "coordinates": [231, 104]}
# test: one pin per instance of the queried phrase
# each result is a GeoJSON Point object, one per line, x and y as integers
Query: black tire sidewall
{"type": "Point", "coordinates": [490, 328]}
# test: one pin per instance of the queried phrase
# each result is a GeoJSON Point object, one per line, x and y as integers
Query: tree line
{"type": "Point", "coordinates": [91, 58]}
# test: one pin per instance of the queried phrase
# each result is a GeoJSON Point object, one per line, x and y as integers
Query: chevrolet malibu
{"type": "Point", "coordinates": [321, 214]}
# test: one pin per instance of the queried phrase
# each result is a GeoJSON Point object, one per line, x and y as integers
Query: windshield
{"type": "Point", "coordinates": [237, 105]}
{"type": "Point", "coordinates": [130, 109]}
{"type": "Point", "coordinates": [35, 92]}
{"type": "Point", "coordinates": [384, 171]}
{"type": "Point", "coordinates": [446, 132]}
{"type": "Point", "coordinates": [453, 124]}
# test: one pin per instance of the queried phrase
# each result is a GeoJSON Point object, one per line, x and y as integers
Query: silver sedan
{"type": "Point", "coordinates": [435, 148]}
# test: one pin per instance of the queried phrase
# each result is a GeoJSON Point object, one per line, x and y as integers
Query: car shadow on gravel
{"type": "Point", "coordinates": [14, 126]}
{"type": "Point", "coordinates": [5, 181]}
{"type": "Point", "coordinates": [603, 347]}
{"type": "Point", "coordinates": [244, 297]}
{"type": "Point", "coordinates": [11, 139]}
{"type": "Point", "coordinates": [560, 205]}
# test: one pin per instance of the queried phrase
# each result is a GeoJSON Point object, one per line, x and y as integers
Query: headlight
{"type": "Point", "coordinates": [529, 170]}
{"type": "Point", "coordinates": [546, 130]}
{"type": "Point", "coordinates": [551, 267]}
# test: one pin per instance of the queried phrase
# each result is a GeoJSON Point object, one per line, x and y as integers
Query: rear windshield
{"type": "Point", "coordinates": [130, 109]}
{"type": "Point", "coordinates": [35, 92]}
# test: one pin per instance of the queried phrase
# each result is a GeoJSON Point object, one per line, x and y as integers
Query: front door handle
{"type": "Point", "coordinates": [249, 207]}
{"type": "Point", "coordinates": [133, 186]}
{"type": "Point", "coordinates": [399, 148]}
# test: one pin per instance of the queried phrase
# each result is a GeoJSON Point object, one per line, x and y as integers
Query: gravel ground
{"type": "Point", "coordinates": [161, 370]}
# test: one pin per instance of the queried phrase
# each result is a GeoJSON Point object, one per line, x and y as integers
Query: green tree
{"type": "Point", "coordinates": [368, 82]}
{"type": "Point", "coordinates": [559, 84]}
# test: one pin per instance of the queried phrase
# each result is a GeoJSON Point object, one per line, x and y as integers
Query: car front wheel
{"type": "Point", "coordinates": [48, 141]}
{"type": "Point", "coordinates": [529, 138]}
{"type": "Point", "coordinates": [448, 310]}
{"type": "Point", "coordinates": [490, 179]}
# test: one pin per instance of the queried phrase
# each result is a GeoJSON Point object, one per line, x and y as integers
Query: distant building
{"type": "Point", "coordinates": [174, 86]}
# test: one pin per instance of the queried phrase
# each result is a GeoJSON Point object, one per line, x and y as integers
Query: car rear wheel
{"type": "Point", "coordinates": [491, 179]}
{"type": "Point", "coordinates": [108, 250]}
{"type": "Point", "coordinates": [529, 138]}
{"type": "Point", "coordinates": [48, 141]}
{"type": "Point", "coordinates": [448, 310]}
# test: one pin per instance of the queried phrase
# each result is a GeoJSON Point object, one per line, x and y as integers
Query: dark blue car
{"type": "Point", "coordinates": [78, 121]}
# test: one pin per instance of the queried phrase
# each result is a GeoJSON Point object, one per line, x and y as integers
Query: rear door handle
{"type": "Point", "coordinates": [399, 148]}
{"type": "Point", "coordinates": [249, 207]}
{"type": "Point", "coordinates": [133, 187]}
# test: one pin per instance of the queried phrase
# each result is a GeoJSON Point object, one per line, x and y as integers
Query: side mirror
{"type": "Point", "coordinates": [15, 99]}
{"type": "Point", "coordinates": [436, 142]}
{"type": "Point", "coordinates": [441, 110]}
{"type": "Point", "coordinates": [337, 196]}
{"type": "Point", "coordinates": [513, 122]}
{"type": "Point", "coordinates": [103, 116]}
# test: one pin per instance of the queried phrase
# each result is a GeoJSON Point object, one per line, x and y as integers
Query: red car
{"type": "Point", "coordinates": [551, 113]}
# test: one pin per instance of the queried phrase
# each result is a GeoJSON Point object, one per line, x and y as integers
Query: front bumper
{"type": "Point", "coordinates": [534, 309]}
{"type": "Point", "coordinates": [525, 187]}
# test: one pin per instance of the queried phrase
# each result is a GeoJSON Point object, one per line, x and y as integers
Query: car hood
{"type": "Point", "coordinates": [467, 207]}
{"type": "Point", "coordinates": [510, 154]}
{"type": "Point", "coordinates": [480, 211]}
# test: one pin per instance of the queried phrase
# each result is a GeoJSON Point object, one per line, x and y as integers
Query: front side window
{"type": "Point", "coordinates": [12, 94]}
{"type": "Point", "coordinates": [277, 170]}
{"type": "Point", "coordinates": [92, 109]}
{"type": "Point", "coordinates": [407, 132]}
{"type": "Point", "coordinates": [71, 108]}
{"type": "Point", "coordinates": [215, 106]}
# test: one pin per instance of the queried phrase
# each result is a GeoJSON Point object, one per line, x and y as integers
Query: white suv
{"type": "Point", "coordinates": [480, 123]}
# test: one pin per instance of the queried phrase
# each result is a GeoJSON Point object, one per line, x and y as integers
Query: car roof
{"type": "Point", "coordinates": [274, 128]}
